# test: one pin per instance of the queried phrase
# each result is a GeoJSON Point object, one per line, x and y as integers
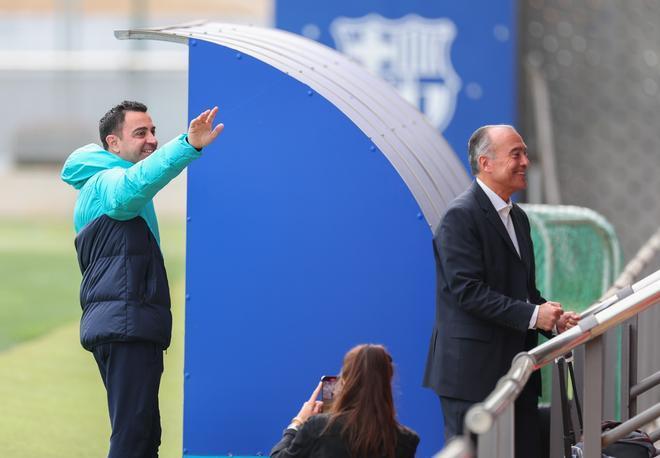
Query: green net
{"type": "Point", "coordinates": [577, 259]}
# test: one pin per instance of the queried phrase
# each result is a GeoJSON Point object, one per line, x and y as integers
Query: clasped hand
{"type": "Point", "coordinates": [551, 314]}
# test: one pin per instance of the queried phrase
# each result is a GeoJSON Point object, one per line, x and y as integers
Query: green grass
{"type": "Point", "coordinates": [51, 396]}
{"type": "Point", "coordinates": [37, 270]}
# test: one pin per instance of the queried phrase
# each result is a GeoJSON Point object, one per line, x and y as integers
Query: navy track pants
{"type": "Point", "coordinates": [131, 374]}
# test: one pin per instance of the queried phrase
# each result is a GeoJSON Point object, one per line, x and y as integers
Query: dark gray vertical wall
{"type": "Point", "coordinates": [601, 60]}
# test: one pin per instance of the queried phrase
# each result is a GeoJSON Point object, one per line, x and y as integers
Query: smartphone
{"type": "Point", "coordinates": [328, 384]}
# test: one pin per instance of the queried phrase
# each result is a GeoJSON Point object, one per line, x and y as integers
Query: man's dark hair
{"type": "Point", "coordinates": [113, 120]}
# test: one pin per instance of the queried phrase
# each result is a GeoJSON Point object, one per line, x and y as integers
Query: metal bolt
{"type": "Point", "coordinates": [193, 42]}
{"type": "Point", "coordinates": [310, 93]}
{"type": "Point", "coordinates": [239, 56]}
{"type": "Point", "coordinates": [188, 218]}
{"type": "Point", "coordinates": [419, 216]}
{"type": "Point", "coordinates": [187, 375]}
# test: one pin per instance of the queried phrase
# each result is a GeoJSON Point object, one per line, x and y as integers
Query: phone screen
{"type": "Point", "coordinates": [328, 384]}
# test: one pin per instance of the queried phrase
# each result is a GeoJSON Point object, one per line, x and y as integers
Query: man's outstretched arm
{"type": "Point", "coordinates": [124, 192]}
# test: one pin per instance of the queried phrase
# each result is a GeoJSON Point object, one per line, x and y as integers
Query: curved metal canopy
{"type": "Point", "coordinates": [421, 156]}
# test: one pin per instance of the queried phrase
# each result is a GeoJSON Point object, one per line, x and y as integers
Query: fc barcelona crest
{"type": "Point", "coordinates": [412, 53]}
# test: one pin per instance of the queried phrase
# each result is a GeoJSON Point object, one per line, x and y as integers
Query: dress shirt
{"type": "Point", "coordinates": [503, 209]}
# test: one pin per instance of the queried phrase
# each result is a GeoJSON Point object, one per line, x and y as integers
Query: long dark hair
{"type": "Point", "coordinates": [363, 403]}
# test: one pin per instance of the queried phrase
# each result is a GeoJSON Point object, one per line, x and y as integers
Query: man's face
{"type": "Point", "coordinates": [137, 139]}
{"type": "Point", "coordinates": [506, 167]}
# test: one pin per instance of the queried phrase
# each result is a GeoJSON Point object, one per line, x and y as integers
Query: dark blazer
{"type": "Point", "coordinates": [482, 313]}
{"type": "Point", "coordinates": [312, 441]}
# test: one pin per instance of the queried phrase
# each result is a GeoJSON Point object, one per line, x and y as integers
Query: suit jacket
{"type": "Point", "coordinates": [485, 299]}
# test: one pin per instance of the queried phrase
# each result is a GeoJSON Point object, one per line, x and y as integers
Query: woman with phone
{"type": "Point", "coordinates": [360, 423]}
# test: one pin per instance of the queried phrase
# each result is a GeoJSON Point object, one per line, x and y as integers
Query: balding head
{"type": "Point", "coordinates": [500, 160]}
{"type": "Point", "coordinates": [480, 145]}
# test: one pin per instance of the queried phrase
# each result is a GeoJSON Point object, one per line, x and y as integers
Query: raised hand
{"type": "Point", "coordinates": [201, 132]}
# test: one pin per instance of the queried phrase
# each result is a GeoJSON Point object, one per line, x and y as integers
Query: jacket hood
{"type": "Point", "coordinates": [86, 162]}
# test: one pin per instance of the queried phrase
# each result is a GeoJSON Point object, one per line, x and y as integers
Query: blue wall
{"type": "Point", "coordinates": [482, 54]}
{"type": "Point", "coordinates": [303, 241]}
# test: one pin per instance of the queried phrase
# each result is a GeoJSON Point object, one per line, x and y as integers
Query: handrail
{"type": "Point", "coordinates": [597, 323]}
{"type": "Point", "coordinates": [458, 447]}
{"type": "Point", "coordinates": [630, 425]}
{"type": "Point", "coordinates": [615, 295]}
{"type": "Point", "coordinates": [599, 318]}
{"type": "Point", "coordinates": [645, 385]}
{"type": "Point", "coordinates": [484, 413]}
{"type": "Point", "coordinates": [655, 435]}
{"type": "Point", "coordinates": [481, 416]}
{"type": "Point", "coordinates": [621, 303]}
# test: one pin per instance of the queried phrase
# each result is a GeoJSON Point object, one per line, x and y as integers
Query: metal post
{"type": "Point", "coordinates": [593, 397]}
{"type": "Point", "coordinates": [568, 436]}
{"type": "Point", "coordinates": [625, 370]}
{"type": "Point", "coordinates": [499, 441]}
{"type": "Point", "coordinates": [556, 449]}
{"type": "Point", "coordinates": [610, 370]}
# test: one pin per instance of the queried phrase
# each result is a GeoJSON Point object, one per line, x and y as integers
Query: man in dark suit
{"type": "Point", "coordinates": [488, 308]}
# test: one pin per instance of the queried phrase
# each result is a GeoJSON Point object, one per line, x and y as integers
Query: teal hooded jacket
{"type": "Point", "coordinates": [112, 186]}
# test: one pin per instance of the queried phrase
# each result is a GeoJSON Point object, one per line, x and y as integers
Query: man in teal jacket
{"type": "Point", "coordinates": [126, 321]}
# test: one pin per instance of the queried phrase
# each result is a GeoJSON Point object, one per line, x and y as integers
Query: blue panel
{"type": "Point", "coordinates": [303, 241]}
{"type": "Point", "coordinates": [483, 52]}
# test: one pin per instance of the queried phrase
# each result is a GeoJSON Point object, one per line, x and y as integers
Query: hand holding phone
{"type": "Point", "coordinates": [310, 407]}
{"type": "Point", "coordinates": [328, 385]}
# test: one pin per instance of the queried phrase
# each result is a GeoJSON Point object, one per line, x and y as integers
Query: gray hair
{"type": "Point", "coordinates": [479, 145]}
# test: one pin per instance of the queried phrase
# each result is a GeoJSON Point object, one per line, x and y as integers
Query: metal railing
{"type": "Point", "coordinates": [489, 428]}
